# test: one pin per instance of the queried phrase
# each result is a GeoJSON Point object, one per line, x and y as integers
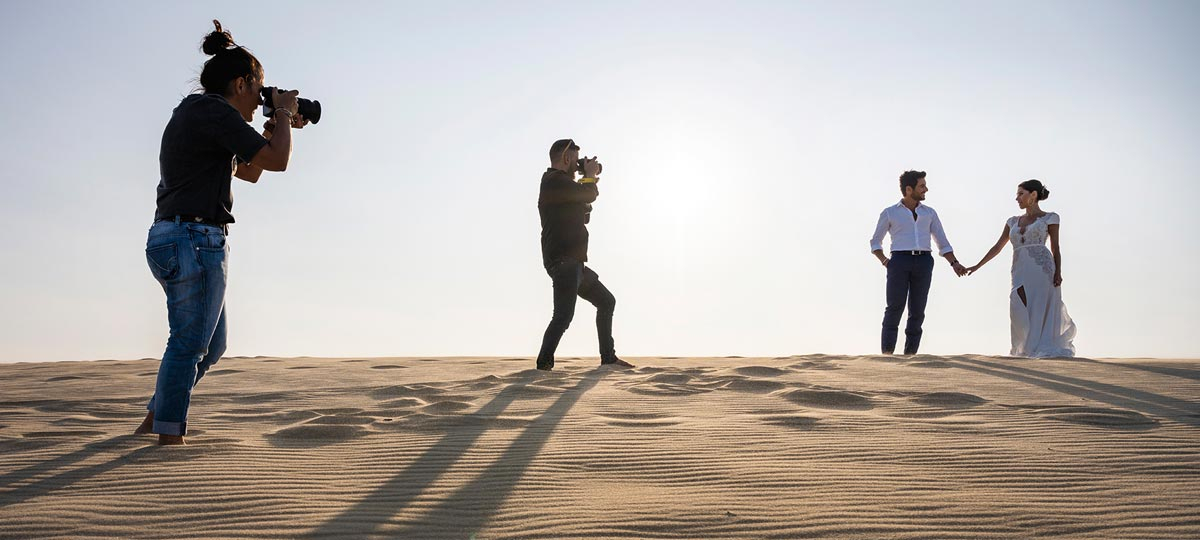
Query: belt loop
{"type": "Point", "coordinates": [178, 219]}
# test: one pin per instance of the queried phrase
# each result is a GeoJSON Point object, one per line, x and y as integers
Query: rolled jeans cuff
{"type": "Point", "coordinates": [170, 428]}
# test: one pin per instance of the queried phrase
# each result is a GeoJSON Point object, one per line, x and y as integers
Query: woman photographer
{"type": "Point", "coordinates": [206, 142]}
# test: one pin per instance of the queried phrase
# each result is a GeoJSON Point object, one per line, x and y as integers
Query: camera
{"type": "Point", "coordinates": [580, 163]}
{"type": "Point", "coordinates": [309, 109]}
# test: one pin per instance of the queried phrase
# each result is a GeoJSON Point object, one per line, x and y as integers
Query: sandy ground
{"type": "Point", "coordinates": [795, 447]}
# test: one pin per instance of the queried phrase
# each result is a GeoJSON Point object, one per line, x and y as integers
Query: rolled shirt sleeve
{"type": "Point", "coordinates": [881, 229]}
{"type": "Point", "coordinates": [939, 235]}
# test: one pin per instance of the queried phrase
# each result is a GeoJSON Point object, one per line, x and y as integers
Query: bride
{"type": "Point", "coordinates": [1040, 324]}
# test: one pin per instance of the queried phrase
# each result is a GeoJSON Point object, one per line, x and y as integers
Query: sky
{"type": "Point", "coordinates": [748, 148]}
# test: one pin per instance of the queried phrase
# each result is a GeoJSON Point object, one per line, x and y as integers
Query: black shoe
{"type": "Point", "coordinates": [614, 361]}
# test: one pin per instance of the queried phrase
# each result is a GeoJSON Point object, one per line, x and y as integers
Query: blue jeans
{"type": "Point", "coordinates": [189, 260]}
{"type": "Point", "coordinates": [572, 279]}
{"type": "Point", "coordinates": [908, 278]}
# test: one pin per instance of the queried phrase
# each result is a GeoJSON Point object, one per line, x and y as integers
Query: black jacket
{"type": "Point", "coordinates": [565, 207]}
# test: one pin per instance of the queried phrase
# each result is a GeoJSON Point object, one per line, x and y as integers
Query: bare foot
{"type": "Point", "coordinates": [147, 426]}
{"type": "Point", "coordinates": [170, 440]}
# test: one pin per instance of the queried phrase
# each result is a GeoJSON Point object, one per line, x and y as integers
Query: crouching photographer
{"type": "Point", "coordinates": [207, 141]}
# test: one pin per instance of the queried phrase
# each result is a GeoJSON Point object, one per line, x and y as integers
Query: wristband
{"type": "Point", "coordinates": [589, 180]}
{"type": "Point", "coordinates": [284, 111]}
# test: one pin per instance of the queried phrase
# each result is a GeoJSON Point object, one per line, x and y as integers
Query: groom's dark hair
{"type": "Point", "coordinates": [909, 179]}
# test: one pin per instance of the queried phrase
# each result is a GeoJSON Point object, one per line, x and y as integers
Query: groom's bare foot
{"type": "Point", "coordinates": [170, 440]}
{"type": "Point", "coordinates": [147, 426]}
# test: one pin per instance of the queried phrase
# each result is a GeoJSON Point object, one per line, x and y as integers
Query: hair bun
{"type": "Point", "coordinates": [1045, 194]}
{"type": "Point", "coordinates": [219, 40]}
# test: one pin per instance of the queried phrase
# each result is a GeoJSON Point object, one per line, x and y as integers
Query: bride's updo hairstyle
{"type": "Point", "coordinates": [228, 63]}
{"type": "Point", "coordinates": [1035, 186]}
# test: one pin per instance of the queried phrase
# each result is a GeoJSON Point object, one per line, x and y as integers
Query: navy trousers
{"type": "Point", "coordinates": [908, 279]}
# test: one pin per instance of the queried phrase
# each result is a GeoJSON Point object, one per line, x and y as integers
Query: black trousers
{"type": "Point", "coordinates": [573, 279]}
{"type": "Point", "coordinates": [908, 278]}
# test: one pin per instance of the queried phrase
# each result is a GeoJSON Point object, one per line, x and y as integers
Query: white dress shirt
{"type": "Point", "coordinates": [909, 234]}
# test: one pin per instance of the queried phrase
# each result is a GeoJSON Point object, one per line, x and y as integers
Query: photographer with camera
{"type": "Point", "coordinates": [207, 141]}
{"type": "Point", "coordinates": [565, 209]}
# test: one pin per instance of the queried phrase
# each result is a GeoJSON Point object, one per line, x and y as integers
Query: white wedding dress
{"type": "Point", "coordinates": [1041, 327]}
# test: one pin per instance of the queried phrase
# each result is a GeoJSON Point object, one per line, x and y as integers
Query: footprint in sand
{"type": "Point", "coordinates": [316, 434]}
{"type": "Point", "coordinates": [1095, 416]}
{"type": "Point", "coordinates": [404, 390]}
{"type": "Point", "coordinates": [949, 400]}
{"type": "Point", "coordinates": [816, 365]}
{"type": "Point", "coordinates": [667, 390]}
{"type": "Point", "coordinates": [147, 374]}
{"type": "Point", "coordinates": [63, 378]}
{"type": "Point", "coordinates": [638, 420]}
{"type": "Point", "coordinates": [389, 366]}
{"type": "Point", "coordinates": [790, 421]}
{"type": "Point", "coordinates": [401, 403]}
{"type": "Point", "coordinates": [829, 399]}
{"type": "Point", "coordinates": [338, 411]}
{"type": "Point", "coordinates": [753, 386]}
{"type": "Point", "coordinates": [84, 420]}
{"type": "Point", "coordinates": [224, 372]}
{"type": "Point", "coordinates": [670, 378]}
{"type": "Point", "coordinates": [482, 383]}
{"type": "Point", "coordinates": [446, 407]}
{"type": "Point", "coordinates": [760, 371]}
{"type": "Point", "coordinates": [302, 367]}
{"type": "Point", "coordinates": [341, 420]}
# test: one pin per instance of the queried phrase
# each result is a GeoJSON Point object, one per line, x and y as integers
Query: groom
{"type": "Point", "coordinates": [910, 269]}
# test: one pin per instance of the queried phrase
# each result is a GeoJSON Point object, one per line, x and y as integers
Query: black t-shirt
{"type": "Point", "coordinates": [196, 160]}
{"type": "Point", "coordinates": [564, 206]}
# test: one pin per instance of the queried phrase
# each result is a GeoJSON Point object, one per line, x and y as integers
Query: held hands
{"type": "Point", "coordinates": [973, 269]}
{"type": "Point", "coordinates": [960, 269]}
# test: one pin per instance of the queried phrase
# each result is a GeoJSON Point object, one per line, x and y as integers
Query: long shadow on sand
{"type": "Point", "coordinates": [1190, 374]}
{"type": "Point", "coordinates": [1179, 410]}
{"type": "Point", "coordinates": [472, 505]}
{"type": "Point", "coordinates": [60, 473]}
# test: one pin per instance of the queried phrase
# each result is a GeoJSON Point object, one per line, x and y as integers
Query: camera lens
{"type": "Point", "coordinates": [309, 109]}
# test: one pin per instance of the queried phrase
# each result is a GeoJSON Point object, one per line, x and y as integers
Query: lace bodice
{"type": "Point", "coordinates": [1033, 234]}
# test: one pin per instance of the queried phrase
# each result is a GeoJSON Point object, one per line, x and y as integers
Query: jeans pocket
{"type": "Point", "coordinates": [163, 261]}
{"type": "Point", "coordinates": [562, 267]}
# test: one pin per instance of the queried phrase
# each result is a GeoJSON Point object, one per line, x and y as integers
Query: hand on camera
{"type": "Point", "coordinates": [591, 168]}
{"type": "Point", "coordinates": [286, 100]}
{"type": "Point", "coordinates": [298, 123]}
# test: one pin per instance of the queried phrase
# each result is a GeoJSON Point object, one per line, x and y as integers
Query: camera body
{"type": "Point", "coordinates": [309, 109]}
{"type": "Point", "coordinates": [579, 165]}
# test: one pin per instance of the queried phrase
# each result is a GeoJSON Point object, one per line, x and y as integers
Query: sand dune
{"type": "Point", "coordinates": [789, 447]}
